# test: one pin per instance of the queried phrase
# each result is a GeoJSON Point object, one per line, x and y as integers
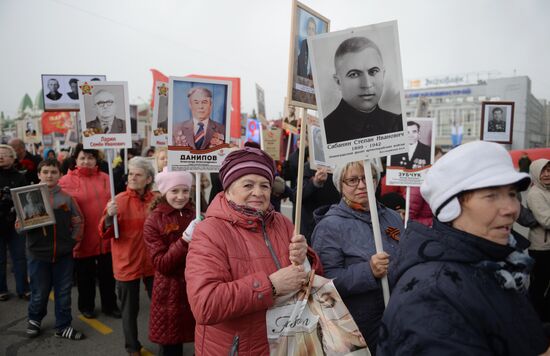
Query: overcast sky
{"type": "Point", "coordinates": [249, 39]}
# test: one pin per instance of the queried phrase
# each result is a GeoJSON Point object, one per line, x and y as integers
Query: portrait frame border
{"type": "Point", "coordinates": [66, 75]}
{"type": "Point", "coordinates": [43, 188]}
{"type": "Point", "coordinates": [484, 108]}
{"type": "Point", "coordinates": [291, 58]}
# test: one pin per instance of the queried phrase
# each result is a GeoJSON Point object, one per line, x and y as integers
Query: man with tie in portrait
{"type": "Point", "coordinates": [200, 131]}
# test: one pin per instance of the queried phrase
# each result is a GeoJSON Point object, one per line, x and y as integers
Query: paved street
{"type": "Point", "coordinates": [103, 335]}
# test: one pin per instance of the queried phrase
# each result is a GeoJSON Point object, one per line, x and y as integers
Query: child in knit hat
{"type": "Point", "coordinates": [167, 233]}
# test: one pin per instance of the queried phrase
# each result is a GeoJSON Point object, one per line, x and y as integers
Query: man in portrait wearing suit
{"type": "Point", "coordinates": [359, 73]}
{"type": "Point", "coordinates": [497, 123]}
{"type": "Point", "coordinates": [106, 121]}
{"type": "Point", "coordinates": [199, 131]}
{"type": "Point", "coordinates": [304, 67]}
{"type": "Point", "coordinates": [54, 94]}
{"type": "Point", "coordinates": [419, 154]}
{"type": "Point", "coordinates": [73, 94]}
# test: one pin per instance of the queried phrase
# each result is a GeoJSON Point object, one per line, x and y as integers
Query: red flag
{"type": "Point", "coordinates": [55, 122]}
{"type": "Point", "coordinates": [235, 131]}
{"type": "Point", "coordinates": [157, 76]}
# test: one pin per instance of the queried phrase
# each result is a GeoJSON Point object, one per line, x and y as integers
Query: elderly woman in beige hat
{"type": "Point", "coordinates": [462, 284]}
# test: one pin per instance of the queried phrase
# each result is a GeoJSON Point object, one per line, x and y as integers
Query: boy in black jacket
{"type": "Point", "coordinates": [50, 257]}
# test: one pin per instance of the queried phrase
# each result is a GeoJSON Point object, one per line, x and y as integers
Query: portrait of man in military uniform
{"type": "Point", "coordinates": [497, 122]}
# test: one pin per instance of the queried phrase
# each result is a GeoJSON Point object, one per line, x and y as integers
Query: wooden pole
{"type": "Point", "coordinates": [300, 178]}
{"type": "Point", "coordinates": [407, 205]}
{"type": "Point", "coordinates": [198, 195]}
{"type": "Point", "coordinates": [288, 145]}
{"type": "Point", "coordinates": [375, 224]}
{"type": "Point", "coordinates": [110, 156]}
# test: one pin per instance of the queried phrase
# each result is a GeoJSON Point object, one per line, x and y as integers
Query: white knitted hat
{"type": "Point", "coordinates": [474, 165]}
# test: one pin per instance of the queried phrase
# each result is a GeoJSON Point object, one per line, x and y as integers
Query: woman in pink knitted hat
{"type": "Point", "coordinates": [171, 323]}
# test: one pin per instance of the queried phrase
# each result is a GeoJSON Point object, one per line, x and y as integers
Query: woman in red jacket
{"type": "Point", "coordinates": [240, 257]}
{"type": "Point", "coordinates": [170, 322]}
{"type": "Point", "coordinates": [92, 255]}
{"type": "Point", "coordinates": [131, 263]}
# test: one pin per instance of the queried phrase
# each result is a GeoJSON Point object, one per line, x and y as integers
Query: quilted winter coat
{"type": "Point", "coordinates": [448, 300]}
{"type": "Point", "coordinates": [90, 188]}
{"type": "Point", "coordinates": [130, 259]}
{"type": "Point", "coordinates": [419, 209]}
{"type": "Point", "coordinates": [170, 319]}
{"type": "Point", "coordinates": [228, 265]}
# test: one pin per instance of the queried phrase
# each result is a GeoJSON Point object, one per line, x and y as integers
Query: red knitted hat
{"type": "Point", "coordinates": [245, 161]}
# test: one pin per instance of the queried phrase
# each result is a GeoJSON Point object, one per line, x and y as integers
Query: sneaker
{"type": "Point", "coordinates": [4, 297]}
{"type": "Point", "coordinates": [33, 328]}
{"type": "Point", "coordinates": [69, 333]}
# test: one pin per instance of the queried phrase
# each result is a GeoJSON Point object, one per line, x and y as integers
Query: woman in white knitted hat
{"type": "Point", "coordinates": [462, 284]}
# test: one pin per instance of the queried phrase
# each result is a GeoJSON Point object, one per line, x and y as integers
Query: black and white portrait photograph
{"type": "Point", "coordinates": [32, 131]}
{"type": "Point", "coordinates": [61, 90]}
{"type": "Point", "coordinates": [316, 152]}
{"type": "Point", "coordinates": [32, 206]}
{"type": "Point", "coordinates": [134, 121]}
{"type": "Point", "coordinates": [497, 121]}
{"type": "Point", "coordinates": [290, 119]}
{"type": "Point", "coordinates": [408, 168]}
{"type": "Point", "coordinates": [105, 114]}
{"type": "Point", "coordinates": [305, 22]}
{"type": "Point", "coordinates": [359, 90]}
{"type": "Point", "coordinates": [159, 124]}
{"type": "Point", "coordinates": [260, 102]}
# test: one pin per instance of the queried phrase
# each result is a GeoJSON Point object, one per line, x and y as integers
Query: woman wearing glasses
{"type": "Point", "coordinates": [344, 240]}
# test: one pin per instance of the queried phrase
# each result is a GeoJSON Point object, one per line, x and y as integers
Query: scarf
{"type": "Point", "coordinates": [249, 211]}
{"type": "Point", "coordinates": [354, 205]}
{"type": "Point", "coordinates": [513, 272]}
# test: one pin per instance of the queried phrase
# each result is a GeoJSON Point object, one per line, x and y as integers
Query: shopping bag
{"type": "Point", "coordinates": [313, 321]}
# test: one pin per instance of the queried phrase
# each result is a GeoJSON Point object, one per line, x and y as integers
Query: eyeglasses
{"type": "Point", "coordinates": [354, 181]}
{"type": "Point", "coordinates": [104, 104]}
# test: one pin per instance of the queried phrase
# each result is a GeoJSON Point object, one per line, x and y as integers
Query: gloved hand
{"type": "Point", "coordinates": [188, 233]}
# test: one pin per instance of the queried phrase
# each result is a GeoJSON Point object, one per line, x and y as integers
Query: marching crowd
{"type": "Point", "coordinates": [462, 280]}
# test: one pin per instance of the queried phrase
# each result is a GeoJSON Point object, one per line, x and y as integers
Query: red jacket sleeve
{"type": "Point", "coordinates": [213, 296]}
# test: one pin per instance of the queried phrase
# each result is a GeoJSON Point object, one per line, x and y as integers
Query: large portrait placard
{"type": "Point", "coordinates": [409, 168]}
{"type": "Point", "coordinates": [317, 157]}
{"type": "Point", "coordinates": [497, 121]}
{"type": "Point", "coordinates": [105, 115]}
{"type": "Point", "coordinates": [271, 142]}
{"type": "Point", "coordinates": [359, 88]}
{"type": "Point", "coordinates": [305, 22]}
{"type": "Point", "coordinates": [60, 91]}
{"type": "Point", "coordinates": [160, 115]}
{"type": "Point", "coordinates": [199, 118]}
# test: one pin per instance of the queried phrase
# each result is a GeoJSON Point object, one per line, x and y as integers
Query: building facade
{"type": "Point", "coordinates": [460, 105]}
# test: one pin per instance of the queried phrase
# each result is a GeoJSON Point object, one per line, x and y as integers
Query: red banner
{"type": "Point", "coordinates": [157, 76]}
{"type": "Point", "coordinates": [55, 122]}
{"type": "Point", "coordinates": [235, 131]}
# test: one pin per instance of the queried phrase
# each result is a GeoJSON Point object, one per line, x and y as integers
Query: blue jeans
{"type": "Point", "coordinates": [10, 239]}
{"type": "Point", "coordinates": [43, 276]}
